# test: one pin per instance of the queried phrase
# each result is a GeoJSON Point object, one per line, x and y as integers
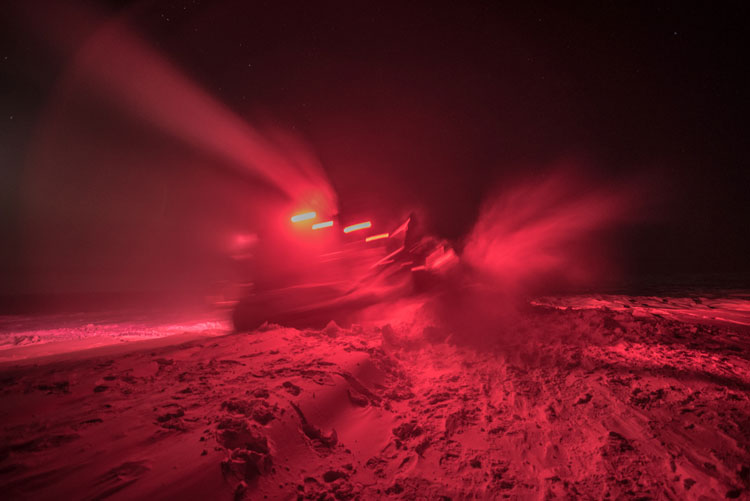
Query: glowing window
{"type": "Point", "coordinates": [358, 226]}
{"type": "Point", "coordinates": [303, 217]}
{"type": "Point", "coordinates": [325, 224]}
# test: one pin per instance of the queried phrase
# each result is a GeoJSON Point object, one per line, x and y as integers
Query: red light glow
{"type": "Point", "coordinates": [303, 217]}
{"type": "Point", "coordinates": [359, 226]}
{"type": "Point", "coordinates": [376, 237]}
{"type": "Point", "coordinates": [325, 224]}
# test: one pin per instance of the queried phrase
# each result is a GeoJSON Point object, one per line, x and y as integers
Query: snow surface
{"type": "Point", "coordinates": [574, 403]}
{"type": "Point", "coordinates": [24, 336]}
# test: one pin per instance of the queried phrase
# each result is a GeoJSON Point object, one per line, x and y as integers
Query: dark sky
{"type": "Point", "coordinates": [435, 105]}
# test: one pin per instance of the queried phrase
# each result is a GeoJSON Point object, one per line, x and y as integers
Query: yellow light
{"type": "Point", "coordinates": [376, 237]}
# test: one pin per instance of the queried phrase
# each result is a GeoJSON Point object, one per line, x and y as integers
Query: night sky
{"type": "Point", "coordinates": [436, 106]}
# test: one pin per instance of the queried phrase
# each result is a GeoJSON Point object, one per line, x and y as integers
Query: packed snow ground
{"type": "Point", "coordinates": [732, 309]}
{"type": "Point", "coordinates": [24, 336]}
{"type": "Point", "coordinates": [570, 404]}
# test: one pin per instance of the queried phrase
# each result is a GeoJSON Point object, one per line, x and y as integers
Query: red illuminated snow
{"type": "Point", "coordinates": [27, 336]}
{"type": "Point", "coordinates": [571, 404]}
{"type": "Point", "coordinates": [734, 309]}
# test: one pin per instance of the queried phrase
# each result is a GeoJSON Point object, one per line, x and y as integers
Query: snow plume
{"type": "Point", "coordinates": [554, 229]}
{"type": "Point", "coordinates": [552, 232]}
{"type": "Point", "coordinates": [125, 72]}
{"type": "Point", "coordinates": [137, 175]}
